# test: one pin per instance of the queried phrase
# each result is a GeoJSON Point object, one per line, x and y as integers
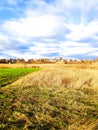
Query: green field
{"type": "Point", "coordinates": [9, 75]}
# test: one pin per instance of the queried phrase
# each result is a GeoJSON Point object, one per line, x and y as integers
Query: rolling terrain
{"type": "Point", "coordinates": [57, 97]}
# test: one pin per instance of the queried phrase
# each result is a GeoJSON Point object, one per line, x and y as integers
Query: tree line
{"type": "Point", "coordinates": [46, 60]}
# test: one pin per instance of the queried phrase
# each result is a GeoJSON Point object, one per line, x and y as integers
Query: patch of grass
{"type": "Point", "coordinates": [9, 75]}
{"type": "Point", "coordinates": [33, 108]}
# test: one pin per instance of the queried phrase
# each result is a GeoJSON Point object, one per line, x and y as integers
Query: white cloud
{"type": "Point", "coordinates": [47, 28]}
{"type": "Point", "coordinates": [4, 41]}
{"type": "Point", "coordinates": [75, 50]}
{"type": "Point", "coordinates": [12, 2]}
{"type": "Point", "coordinates": [35, 26]}
{"type": "Point", "coordinates": [74, 44]}
{"type": "Point", "coordinates": [65, 49]}
{"type": "Point", "coordinates": [43, 48]}
{"type": "Point", "coordinates": [79, 32]}
{"type": "Point", "coordinates": [80, 4]}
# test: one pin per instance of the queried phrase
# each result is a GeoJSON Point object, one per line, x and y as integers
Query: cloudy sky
{"type": "Point", "coordinates": [49, 28]}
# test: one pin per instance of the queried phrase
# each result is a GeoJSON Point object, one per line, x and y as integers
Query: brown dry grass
{"type": "Point", "coordinates": [58, 97]}
{"type": "Point", "coordinates": [56, 65]}
{"type": "Point", "coordinates": [62, 76]}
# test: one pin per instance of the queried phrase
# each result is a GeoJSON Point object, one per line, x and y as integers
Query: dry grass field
{"type": "Point", "coordinates": [57, 97]}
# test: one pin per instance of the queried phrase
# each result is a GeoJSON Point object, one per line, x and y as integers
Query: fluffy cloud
{"type": "Point", "coordinates": [35, 26]}
{"type": "Point", "coordinates": [49, 28]}
{"type": "Point", "coordinates": [4, 42]}
{"type": "Point", "coordinates": [79, 32]}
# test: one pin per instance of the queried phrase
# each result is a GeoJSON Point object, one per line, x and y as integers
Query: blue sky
{"type": "Point", "coordinates": [49, 28]}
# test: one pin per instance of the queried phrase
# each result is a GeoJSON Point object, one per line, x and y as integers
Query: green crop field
{"type": "Point", "coordinates": [9, 75]}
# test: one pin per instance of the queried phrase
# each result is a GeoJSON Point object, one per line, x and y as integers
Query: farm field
{"type": "Point", "coordinates": [9, 75]}
{"type": "Point", "coordinates": [57, 97]}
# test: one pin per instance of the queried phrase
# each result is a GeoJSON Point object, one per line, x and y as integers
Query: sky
{"type": "Point", "coordinates": [49, 29]}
